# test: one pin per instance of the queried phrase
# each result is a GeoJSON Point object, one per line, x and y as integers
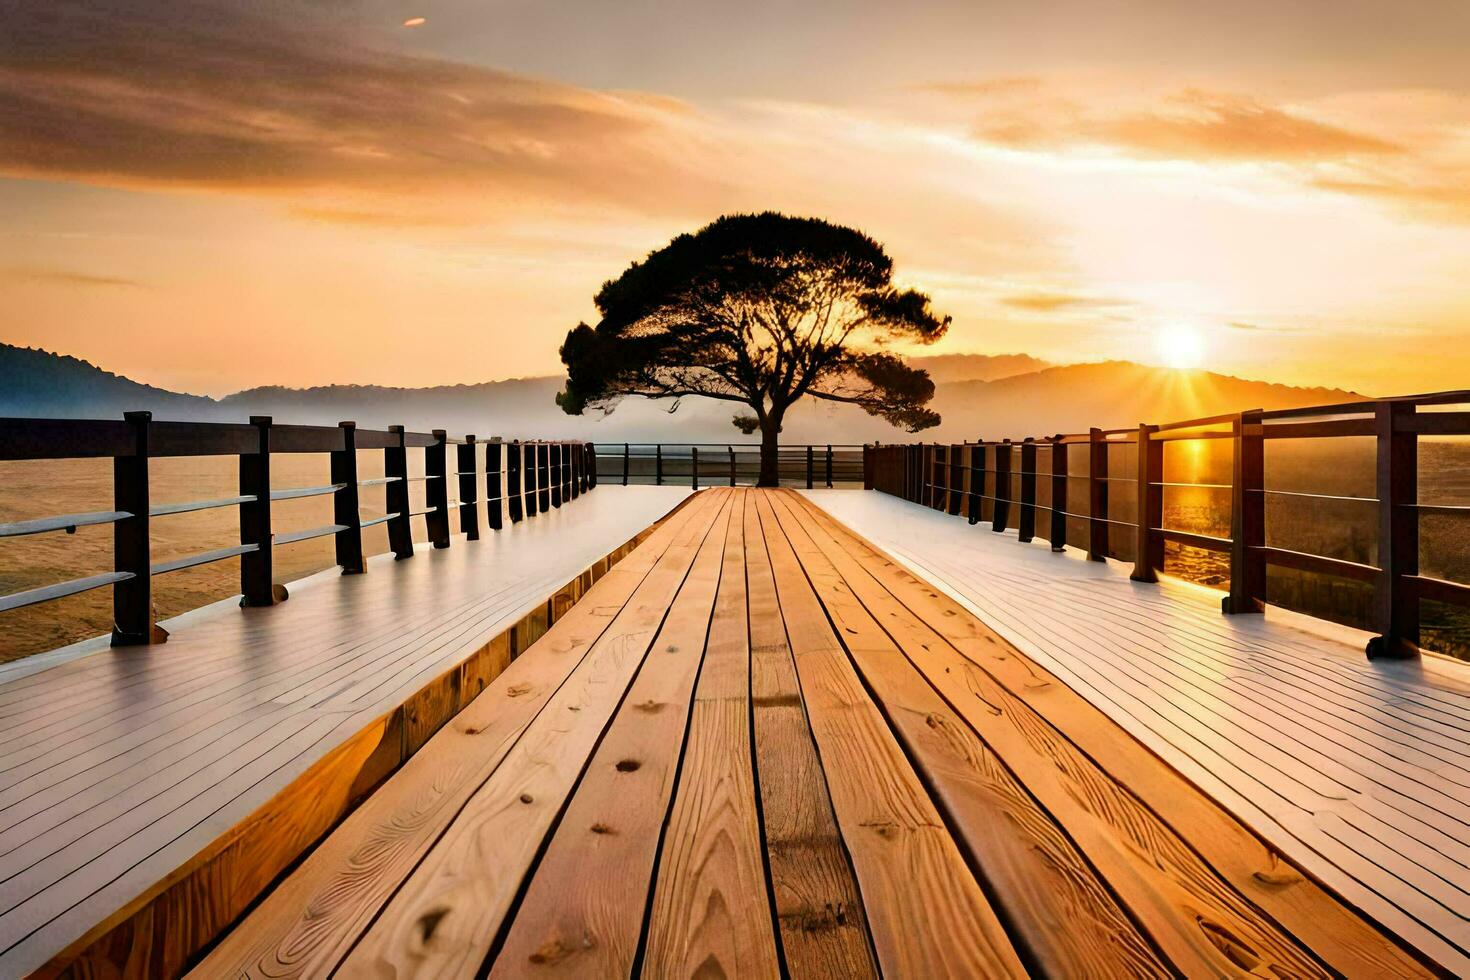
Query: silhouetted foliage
{"type": "Point", "coordinates": [760, 309]}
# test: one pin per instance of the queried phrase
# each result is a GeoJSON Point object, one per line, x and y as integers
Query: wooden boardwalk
{"type": "Point", "coordinates": [1357, 771]}
{"type": "Point", "coordinates": [147, 794]}
{"type": "Point", "coordinates": [759, 747]}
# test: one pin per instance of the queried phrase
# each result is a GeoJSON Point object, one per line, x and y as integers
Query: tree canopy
{"type": "Point", "coordinates": [761, 310]}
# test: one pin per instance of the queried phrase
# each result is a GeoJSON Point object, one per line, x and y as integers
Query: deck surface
{"type": "Point", "coordinates": [117, 766]}
{"type": "Point", "coordinates": [757, 746]}
{"type": "Point", "coordinates": [1358, 771]}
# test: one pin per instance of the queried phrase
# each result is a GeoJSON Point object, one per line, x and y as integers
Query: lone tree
{"type": "Point", "coordinates": [759, 309]}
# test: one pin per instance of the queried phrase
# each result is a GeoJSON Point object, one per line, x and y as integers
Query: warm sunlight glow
{"type": "Point", "coordinates": [1180, 346]}
{"type": "Point", "coordinates": [415, 22]}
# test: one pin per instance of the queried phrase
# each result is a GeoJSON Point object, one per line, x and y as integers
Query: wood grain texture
{"type": "Point", "coordinates": [1060, 912]}
{"type": "Point", "coordinates": [311, 919]}
{"type": "Point", "coordinates": [927, 913]}
{"type": "Point", "coordinates": [582, 914]}
{"type": "Point", "coordinates": [711, 913]}
{"type": "Point", "coordinates": [239, 785]}
{"type": "Point", "coordinates": [446, 914]}
{"type": "Point", "coordinates": [823, 928]}
{"type": "Point", "coordinates": [1067, 750]}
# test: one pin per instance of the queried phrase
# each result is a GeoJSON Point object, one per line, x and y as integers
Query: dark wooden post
{"type": "Point", "coordinates": [569, 468]}
{"type": "Point", "coordinates": [955, 481]}
{"type": "Point", "coordinates": [553, 460]}
{"type": "Point", "coordinates": [395, 495]}
{"type": "Point", "coordinates": [731, 451]}
{"type": "Point", "coordinates": [829, 467]}
{"type": "Point", "coordinates": [1026, 518]}
{"type": "Point", "coordinates": [133, 621]}
{"type": "Point", "coordinates": [436, 489]}
{"type": "Point", "coordinates": [627, 455]}
{"type": "Point", "coordinates": [577, 461]}
{"type": "Point", "coordinates": [1002, 513]}
{"type": "Point", "coordinates": [469, 507]}
{"type": "Point", "coordinates": [977, 482]}
{"type": "Point", "coordinates": [514, 501]}
{"type": "Point", "coordinates": [694, 467]}
{"type": "Point", "coordinates": [1097, 487]}
{"type": "Point", "coordinates": [1396, 605]}
{"type": "Point", "coordinates": [529, 452]}
{"type": "Point", "coordinates": [1148, 557]}
{"type": "Point", "coordinates": [346, 511]}
{"type": "Point", "coordinates": [543, 476]}
{"type": "Point", "coordinates": [870, 462]}
{"type": "Point", "coordinates": [1247, 517]}
{"type": "Point", "coordinates": [658, 464]}
{"type": "Point", "coordinates": [1058, 493]}
{"type": "Point", "coordinates": [493, 491]}
{"type": "Point", "coordinates": [591, 465]}
{"type": "Point", "coordinates": [916, 473]}
{"type": "Point", "coordinates": [935, 474]}
{"type": "Point", "coordinates": [256, 567]}
{"type": "Point", "coordinates": [808, 467]}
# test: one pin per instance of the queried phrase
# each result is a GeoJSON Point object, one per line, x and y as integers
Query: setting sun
{"type": "Point", "coordinates": [1180, 347]}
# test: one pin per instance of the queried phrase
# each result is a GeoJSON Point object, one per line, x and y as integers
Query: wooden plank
{"type": "Point", "coordinates": [582, 913]}
{"type": "Point", "coordinates": [308, 923]}
{"type": "Point", "coordinates": [446, 914]}
{"type": "Point", "coordinates": [1063, 917]}
{"type": "Point", "coordinates": [711, 912]}
{"type": "Point", "coordinates": [1031, 707]}
{"type": "Point", "coordinates": [819, 913]}
{"type": "Point", "coordinates": [927, 913]}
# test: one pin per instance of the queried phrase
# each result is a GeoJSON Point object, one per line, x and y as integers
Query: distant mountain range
{"type": "Point", "coordinates": [1000, 396]}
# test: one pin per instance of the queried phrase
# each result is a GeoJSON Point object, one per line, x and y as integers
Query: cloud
{"type": "Point", "coordinates": [1002, 87]}
{"type": "Point", "coordinates": [1193, 125]}
{"type": "Point", "coordinates": [67, 277]}
{"type": "Point", "coordinates": [1046, 302]}
{"type": "Point", "coordinates": [1449, 198]}
{"type": "Point", "coordinates": [204, 96]}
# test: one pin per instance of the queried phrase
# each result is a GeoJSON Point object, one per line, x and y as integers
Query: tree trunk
{"type": "Point", "coordinates": [770, 459]}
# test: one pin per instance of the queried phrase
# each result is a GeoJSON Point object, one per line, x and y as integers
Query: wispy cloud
{"type": "Point", "coordinates": [69, 278]}
{"type": "Point", "coordinates": [1192, 125]}
{"type": "Point", "coordinates": [212, 96]}
{"type": "Point", "coordinates": [1046, 302]}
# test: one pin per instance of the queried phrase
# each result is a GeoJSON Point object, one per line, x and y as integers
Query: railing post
{"type": "Point", "coordinates": [870, 461]}
{"type": "Point", "coordinates": [395, 495]}
{"type": "Point", "coordinates": [469, 507]}
{"type": "Point", "coordinates": [627, 455]}
{"type": "Point", "coordinates": [345, 508]}
{"type": "Point", "coordinates": [1026, 518]}
{"type": "Point", "coordinates": [1396, 605]}
{"type": "Point", "coordinates": [529, 451]}
{"type": "Point", "coordinates": [829, 467]}
{"type": "Point", "coordinates": [515, 455]}
{"type": "Point", "coordinates": [1097, 488]}
{"type": "Point", "coordinates": [575, 465]}
{"type": "Point", "coordinates": [1058, 493]}
{"type": "Point", "coordinates": [493, 491]}
{"type": "Point", "coordinates": [694, 467]}
{"type": "Point", "coordinates": [977, 482]}
{"type": "Point", "coordinates": [256, 567]}
{"type": "Point", "coordinates": [543, 476]}
{"type": "Point", "coordinates": [133, 618]}
{"type": "Point", "coordinates": [553, 455]}
{"type": "Point", "coordinates": [436, 489]}
{"type": "Point", "coordinates": [955, 481]}
{"type": "Point", "coordinates": [808, 467]}
{"type": "Point", "coordinates": [658, 464]}
{"type": "Point", "coordinates": [1002, 486]}
{"type": "Point", "coordinates": [1247, 517]}
{"type": "Point", "coordinates": [591, 465]}
{"type": "Point", "coordinates": [731, 451]}
{"type": "Point", "coordinates": [936, 475]}
{"type": "Point", "coordinates": [1148, 551]}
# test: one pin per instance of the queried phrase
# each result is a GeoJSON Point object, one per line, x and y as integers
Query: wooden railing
{"type": "Point", "coordinates": [727, 464]}
{"type": "Point", "coordinates": [538, 476]}
{"type": "Point", "coordinates": [956, 478]}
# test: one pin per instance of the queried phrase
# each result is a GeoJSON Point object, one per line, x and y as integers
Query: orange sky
{"type": "Point", "coordinates": [208, 199]}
